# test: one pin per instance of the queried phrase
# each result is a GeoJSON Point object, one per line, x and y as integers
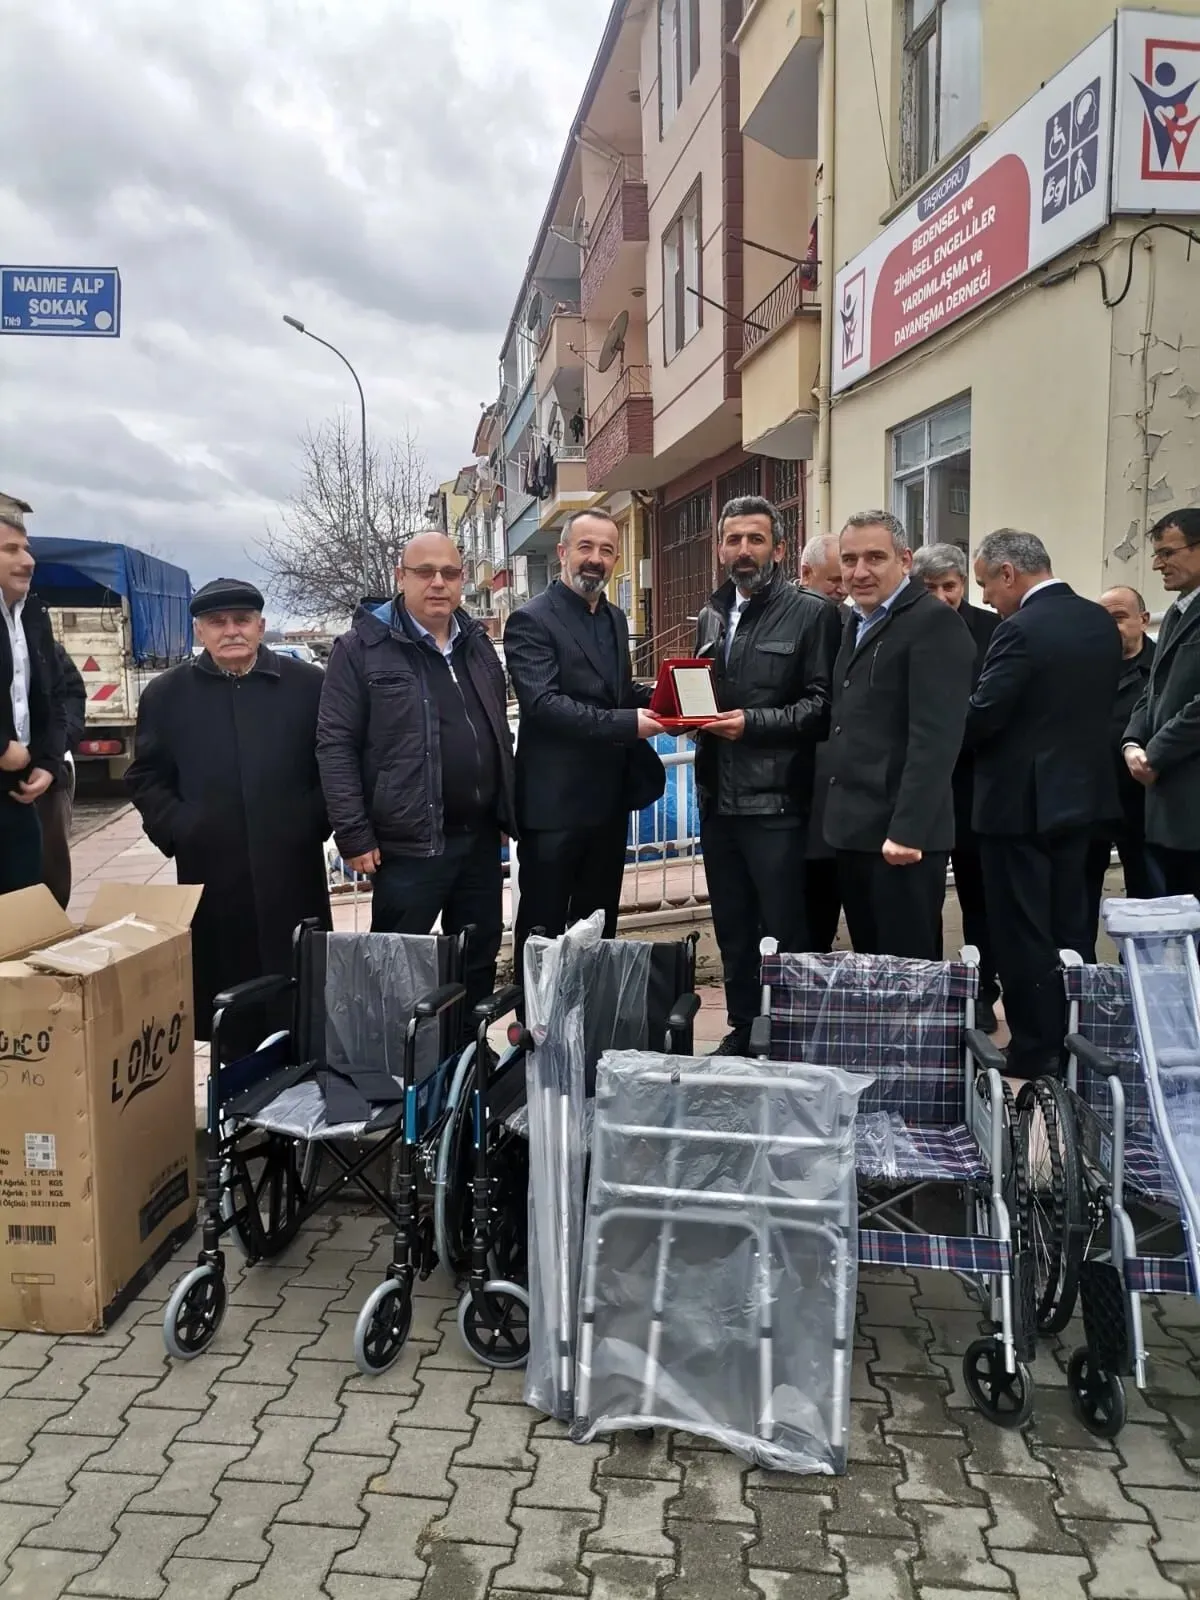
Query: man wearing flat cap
{"type": "Point", "coordinates": [33, 726]}
{"type": "Point", "coordinates": [225, 777]}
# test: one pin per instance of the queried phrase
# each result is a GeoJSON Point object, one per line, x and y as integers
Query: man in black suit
{"type": "Point", "coordinates": [821, 574]}
{"type": "Point", "coordinates": [772, 646]}
{"type": "Point", "coordinates": [581, 764]}
{"type": "Point", "coordinates": [1127, 829]}
{"type": "Point", "coordinates": [901, 684]}
{"type": "Point", "coordinates": [942, 568]}
{"type": "Point", "coordinates": [33, 724]}
{"type": "Point", "coordinates": [1039, 726]}
{"type": "Point", "coordinates": [1162, 748]}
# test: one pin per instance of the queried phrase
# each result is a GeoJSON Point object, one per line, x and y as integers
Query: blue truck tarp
{"type": "Point", "coordinates": [82, 571]}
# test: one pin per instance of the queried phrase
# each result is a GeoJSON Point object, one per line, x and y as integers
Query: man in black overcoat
{"type": "Point", "coordinates": [1039, 726]}
{"type": "Point", "coordinates": [225, 777]}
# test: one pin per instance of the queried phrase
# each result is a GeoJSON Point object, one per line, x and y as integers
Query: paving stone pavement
{"type": "Point", "coordinates": [270, 1468]}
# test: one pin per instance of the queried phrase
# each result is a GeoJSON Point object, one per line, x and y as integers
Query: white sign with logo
{"type": "Point", "coordinates": [1023, 195]}
{"type": "Point", "coordinates": [1157, 159]}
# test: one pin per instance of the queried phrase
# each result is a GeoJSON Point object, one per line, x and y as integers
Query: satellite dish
{"type": "Point", "coordinates": [533, 312]}
{"type": "Point", "coordinates": [614, 342]}
{"type": "Point", "coordinates": [579, 222]}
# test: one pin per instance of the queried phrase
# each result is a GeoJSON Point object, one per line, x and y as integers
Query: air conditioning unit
{"type": "Point", "coordinates": [645, 567]}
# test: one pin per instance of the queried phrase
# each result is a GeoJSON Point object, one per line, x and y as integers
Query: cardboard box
{"type": "Point", "coordinates": [97, 1104]}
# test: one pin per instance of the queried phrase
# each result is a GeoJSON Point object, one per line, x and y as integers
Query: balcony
{"type": "Point", "coordinates": [779, 51]}
{"type": "Point", "coordinates": [564, 330]}
{"type": "Point", "coordinates": [615, 261]}
{"type": "Point", "coordinates": [620, 446]}
{"type": "Point", "coordinates": [780, 367]}
{"type": "Point", "coordinates": [571, 492]}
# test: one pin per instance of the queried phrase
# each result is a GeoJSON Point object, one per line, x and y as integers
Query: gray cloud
{"type": "Point", "coordinates": [378, 172]}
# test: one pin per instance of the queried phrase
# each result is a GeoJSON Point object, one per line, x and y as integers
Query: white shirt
{"type": "Point", "coordinates": [1045, 584]}
{"type": "Point", "coordinates": [424, 633]}
{"type": "Point", "coordinates": [20, 660]}
{"type": "Point", "coordinates": [735, 616]}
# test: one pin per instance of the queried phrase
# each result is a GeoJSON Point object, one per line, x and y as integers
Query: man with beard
{"type": "Point", "coordinates": [772, 647]}
{"type": "Point", "coordinates": [821, 574]}
{"type": "Point", "coordinates": [225, 777]}
{"type": "Point", "coordinates": [582, 764]}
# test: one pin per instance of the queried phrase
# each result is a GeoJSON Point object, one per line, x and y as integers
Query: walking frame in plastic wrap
{"type": "Point", "coordinates": [578, 988]}
{"type": "Point", "coordinates": [719, 1275]}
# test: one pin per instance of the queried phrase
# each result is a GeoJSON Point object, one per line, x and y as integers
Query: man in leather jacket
{"type": "Point", "coordinates": [772, 648]}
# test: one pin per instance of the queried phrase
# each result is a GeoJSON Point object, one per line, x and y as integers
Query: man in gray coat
{"type": "Point", "coordinates": [1162, 741]}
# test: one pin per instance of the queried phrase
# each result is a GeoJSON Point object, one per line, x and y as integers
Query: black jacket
{"type": "Point", "coordinates": [47, 713]}
{"type": "Point", "coordinates": [899, 702]}
{"type": "Point", "coordinates": [816, 848]}
{"type": "Point", "coordinates": [225, 777]}
{"type": "Point", "coordinates": [981, 625]}
{"type": "Point", "coordinates": [1131, 796]}
{"type": "Point", "coordinates": [72, 695]}
{"type": "Point", "coordinates": [778, 674]}
{"type": "Point", "coordinates": [1039, 718]}
{"type": "Point", "coordinates": [378, 743]}
{"type": "Point", "coordinates": [580, 763]}
{"type": "Point", "coordinates": [1166, 723]}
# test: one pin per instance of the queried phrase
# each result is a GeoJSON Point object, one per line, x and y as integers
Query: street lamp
{"type": "Point", "coordinates": [294, 322]}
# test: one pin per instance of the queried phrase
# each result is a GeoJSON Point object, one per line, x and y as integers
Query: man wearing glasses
{"type": "Point", "coordinates": [416, 758]}
{"type": "Point", "coordinates": [1162, 741]}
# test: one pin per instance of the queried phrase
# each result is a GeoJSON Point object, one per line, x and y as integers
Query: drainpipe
{"type": "Point", "coordinates": [828, 10]}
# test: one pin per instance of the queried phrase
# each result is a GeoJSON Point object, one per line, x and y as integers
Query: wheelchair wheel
{"type": "Point", "coordinates": [1057, 1204]}
{"type": "Point", "coordinates": [452, 1220]}
{"type": "Point", "coordinates": [194, 1312]}
{"type": "Point", "coordinates": [276, 1177]}
{"type": "Point", "coordinates": [1097, 1396]}
{"type": "Point", "coordinates": [1005, 1398]}
{"type": "Point", "coordinates": [383, 1326]}
{"type": "Point", "coordinates": [496, 1332]}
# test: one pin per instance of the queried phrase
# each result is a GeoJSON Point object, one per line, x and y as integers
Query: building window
{"type": "Point", "coordinates": [678, 55]}
{"type": "Point", "coordinates": [682, 306]}
{"type": "Point", "coordinates": [786, 490]}
{"type": "Point", "coordinates": [931, 476]}
{"type": "Point", "coordinates": [943, 48]}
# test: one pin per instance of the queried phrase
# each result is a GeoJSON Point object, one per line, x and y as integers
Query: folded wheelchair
{"type": "Point", "coordinates": [1107, 1192]}
{"type": "Point", "coordinates": [938, 1113]}
{"type": "Point", "coordinates": [366, 1077]}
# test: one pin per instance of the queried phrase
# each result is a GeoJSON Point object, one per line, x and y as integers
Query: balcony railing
{"type": "Point", "coordinates": [797, 292]}
{"type": "Point", "coordinates": [633, 381]}
{"type": "Point", "coordinates": [629, 170]}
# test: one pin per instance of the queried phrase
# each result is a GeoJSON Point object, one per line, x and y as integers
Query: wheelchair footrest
{"type": "Point", "coordinates": [1105, 1315]}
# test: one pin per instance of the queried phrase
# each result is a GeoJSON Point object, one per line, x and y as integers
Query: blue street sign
{"type": "Point", "coordinates": [80, 301]}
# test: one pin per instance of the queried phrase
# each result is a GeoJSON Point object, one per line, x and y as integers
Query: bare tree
{"type": "Point", "coordinates": [314, 555]}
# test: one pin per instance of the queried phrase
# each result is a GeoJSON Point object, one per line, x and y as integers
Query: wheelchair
{"type": "Point", "coordinates": [938, 1113]}
{"type": "Point", "coordinates": [367, 1072]}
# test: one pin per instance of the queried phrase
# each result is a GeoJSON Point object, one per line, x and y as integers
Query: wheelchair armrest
{"type": "Point", "coordinates": [499, 1004]}
{"type": "Point", "coordinates": [984, 1052]}
{"type": "Point", "coordinates": [760, 1038]}
{"type": "Point", "coordinates": [439, 1000]}
{"type": "Point", "coordinates": [683, 1012]}
{"type": "Point", "coordinates": [252, 993]}
{"type": "Point", "coordinates": [1092, 1056]}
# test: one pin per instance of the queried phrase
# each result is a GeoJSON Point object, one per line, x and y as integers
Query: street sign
{"type": "Point", "coordinates": [81, 301]}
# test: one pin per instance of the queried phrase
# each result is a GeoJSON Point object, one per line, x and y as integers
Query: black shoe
{"type": "Point", "coordinates": [735, 1043]}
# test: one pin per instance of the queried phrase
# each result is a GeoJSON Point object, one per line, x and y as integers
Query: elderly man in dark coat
{"type": "Point", "coordinates": [225, 777]}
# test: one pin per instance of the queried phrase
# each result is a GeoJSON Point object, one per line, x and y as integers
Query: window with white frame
{"type": "Point", "coordinates": [678, 54]}
{"type": "Point", "coordinates": [526, 357]}
{"type": "Point", "coordinates": [931, 476]}
{"type": "Point", "coordinates": [942, 91]}
{"type": "Point", "coordinates": [682, 306]}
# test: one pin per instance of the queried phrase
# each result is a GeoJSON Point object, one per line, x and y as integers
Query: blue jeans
{"type": "Point", "coordinates": [20, 845]}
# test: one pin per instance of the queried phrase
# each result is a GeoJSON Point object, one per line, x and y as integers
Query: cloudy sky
{"type": "Point", "coordinates": [376, 169]}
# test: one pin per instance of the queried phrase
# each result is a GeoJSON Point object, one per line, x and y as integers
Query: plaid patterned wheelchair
{"type": "Point", "coordinates": [938, 1113]}
{"type": "Point", "coordinates": [1113, 1195]}
{"type": "Point", "coordinates": [368, 1068]}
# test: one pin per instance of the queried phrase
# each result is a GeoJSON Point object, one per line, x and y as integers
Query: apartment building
{"type": "Point", "coordinates": [1013, 331]}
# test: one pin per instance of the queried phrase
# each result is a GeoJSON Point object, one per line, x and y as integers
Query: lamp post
{"type": "Point", "coordinates": [294, 322]}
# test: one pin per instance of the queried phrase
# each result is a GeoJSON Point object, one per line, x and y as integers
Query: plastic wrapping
{"type": "Point", "coordinates": [720, 1255]}
{"type": "Point", "coordinates": [372, 983]}
{"type": "Point", "coordinates": [897, 1020]}
{"type": "Point", "coordinates": [884, 1148]}
{"type": "Point", "coordinates": [299, 1112]}
{"type": "Point", "coordinates": [1159, 945]}
{"type": "Point", "coordinates": [583, 993]}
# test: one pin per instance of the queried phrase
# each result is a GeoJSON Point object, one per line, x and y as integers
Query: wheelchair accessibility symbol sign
{"type": "Point", "coordinates": [1071, 152]}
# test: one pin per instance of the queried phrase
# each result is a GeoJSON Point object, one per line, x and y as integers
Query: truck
{"type": "Point", "coordinates": [122, 616]}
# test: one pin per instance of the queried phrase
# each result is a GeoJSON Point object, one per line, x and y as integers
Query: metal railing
{"type": "Point", "coordinates": [628, 170]}
{"type": "Point", "coordinates": [633, 381]}
{"type": "Point", "coordinates": [785, 300]}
